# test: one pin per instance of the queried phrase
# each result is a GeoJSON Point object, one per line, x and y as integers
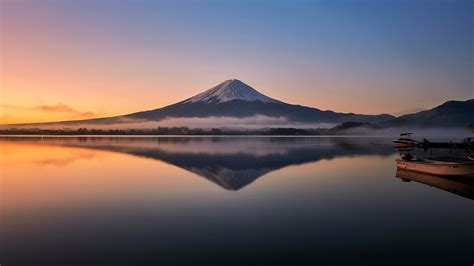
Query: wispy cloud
{"type": "Point", "coordinates": [63, 108]}
{"type": "Point", "coordinates": [57, 108]}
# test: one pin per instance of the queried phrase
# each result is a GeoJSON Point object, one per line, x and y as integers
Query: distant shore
{"type": "Point", "coordinates": [181, 131]}
{"type": "Point", "coordinates": [344, 129]}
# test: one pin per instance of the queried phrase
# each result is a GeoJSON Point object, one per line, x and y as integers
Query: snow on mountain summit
{"type": "Point", "coordinates": [230, 90]}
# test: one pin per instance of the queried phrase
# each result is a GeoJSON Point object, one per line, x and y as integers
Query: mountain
{"type": "Point", "coordinates": [229, 99]}
{"type": "Point", "coordinates": [448, 114]}
{"type": "Point", "coordinates": [233, 98]}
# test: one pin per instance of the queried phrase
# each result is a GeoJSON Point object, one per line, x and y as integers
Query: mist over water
{"type": "Point", "coordinates": [252, 122]}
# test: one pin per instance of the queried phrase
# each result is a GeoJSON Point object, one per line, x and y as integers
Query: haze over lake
{"type": "Point", "coordinates": [203, 200]}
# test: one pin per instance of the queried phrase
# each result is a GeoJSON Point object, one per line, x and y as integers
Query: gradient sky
{"type": "Point", "coordinates": [78, 59]}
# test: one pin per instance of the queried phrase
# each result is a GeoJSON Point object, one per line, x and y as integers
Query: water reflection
{"type": "Point", "coordinates": [136, 201]}
{"type": "Point", "coordinates": [230, 162]}
{"type": "Point", "coordinates": [456, 185]}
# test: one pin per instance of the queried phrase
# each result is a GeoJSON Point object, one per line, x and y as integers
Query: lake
{"type": "Point", "coordinates": [225, 200]}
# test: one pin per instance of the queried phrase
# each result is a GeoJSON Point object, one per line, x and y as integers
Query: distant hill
{"type": "Point", "coordinates": [448, 114]}
{"type": "Point", "coordinates": [346, 126]}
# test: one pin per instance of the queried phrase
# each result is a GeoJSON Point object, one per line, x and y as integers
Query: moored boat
{"type": "Point", "coordinates": [444, 166]}
{"type": "Point", "coordinates": [405, 141]}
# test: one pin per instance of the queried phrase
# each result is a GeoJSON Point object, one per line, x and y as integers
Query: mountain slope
{"type": "Point", "coordinates": [448, 114]}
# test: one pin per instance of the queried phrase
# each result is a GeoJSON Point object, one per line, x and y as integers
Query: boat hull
{"type": "Point", "coordinates": [444, 169]}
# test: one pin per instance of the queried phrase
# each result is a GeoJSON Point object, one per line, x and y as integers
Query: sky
{"type": "Point", "coordinates": [65, 59]}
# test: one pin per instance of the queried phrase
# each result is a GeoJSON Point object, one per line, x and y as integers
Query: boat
{"type": "Point", "coordinates": [443, 166]}
{"type": "Point", "coordinates": [405, 141]}
{"type": "Point", "coordinates": [458, 185]}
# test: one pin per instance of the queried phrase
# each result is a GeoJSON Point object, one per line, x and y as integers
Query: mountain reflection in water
{"type": "Point", "coordinates": [230, 162]}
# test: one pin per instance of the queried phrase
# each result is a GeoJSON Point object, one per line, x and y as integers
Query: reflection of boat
{"type": "Point", "coordinates": [445, 166]}
{"type": "Point", "coordinates": [460, 186]}
{"type": "Point", "coordinates": [405, 141]}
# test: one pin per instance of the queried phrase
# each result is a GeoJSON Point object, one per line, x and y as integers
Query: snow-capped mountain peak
{"type": "Point", "coordinates": [229, 90]}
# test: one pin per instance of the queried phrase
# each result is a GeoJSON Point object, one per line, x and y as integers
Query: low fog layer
{"type": "Point", "coordinates": [252, 122]}
{"type": "Point", "coordinates": [259, 122]}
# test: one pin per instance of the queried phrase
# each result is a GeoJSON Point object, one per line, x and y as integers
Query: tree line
{"type": "Point", "coordinates": [165, 131]}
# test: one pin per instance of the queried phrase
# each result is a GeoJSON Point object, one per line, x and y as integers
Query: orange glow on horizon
{"type": "Point", "coordinates": [48, 176]}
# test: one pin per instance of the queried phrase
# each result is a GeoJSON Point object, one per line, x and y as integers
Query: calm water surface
{"type": "Point", "coordinates": [225, 200]}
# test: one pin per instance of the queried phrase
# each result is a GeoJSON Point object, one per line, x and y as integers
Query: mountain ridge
{"type": "Point", "coordinates": [449, 113]}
